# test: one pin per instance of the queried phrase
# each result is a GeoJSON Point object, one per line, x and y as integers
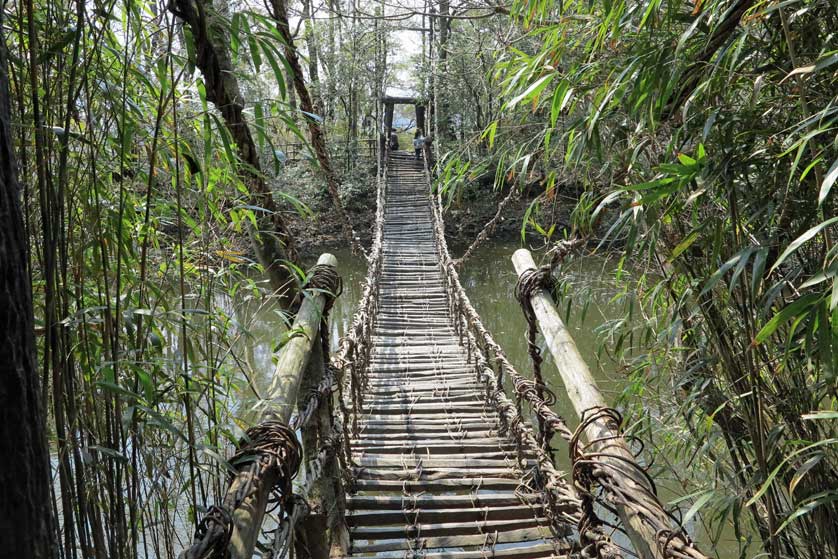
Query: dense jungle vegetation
{"type": "Point", "coordinates": [161, 160]}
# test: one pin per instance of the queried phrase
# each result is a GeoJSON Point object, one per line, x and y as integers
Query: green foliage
{"type": "Point", "coordinates": [703, 139]}
{"type": "Point", "coordinates": [144, 289]}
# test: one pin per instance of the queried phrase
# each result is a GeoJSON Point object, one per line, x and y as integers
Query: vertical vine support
{"type": "Point", "coordinates": [322, 532]}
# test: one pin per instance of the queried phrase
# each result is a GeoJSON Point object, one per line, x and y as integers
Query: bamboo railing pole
{"type": "Point", "coordinates": [584, 394]}
{"type": "Point", "coordinates": [294, 356]}
{"type": "Point", "coordinates": [281, 403]}
{"type": "Point", "coordinates": [323, 532]}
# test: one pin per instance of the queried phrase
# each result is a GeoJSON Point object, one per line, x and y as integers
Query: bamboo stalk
{"type": "Point", "coordinates": [281, 403]}
{"type": "Point", "coordinates": [584, 394]}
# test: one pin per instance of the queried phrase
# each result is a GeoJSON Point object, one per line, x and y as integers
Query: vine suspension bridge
{"type": "Point", "coordinates": [413, 440]}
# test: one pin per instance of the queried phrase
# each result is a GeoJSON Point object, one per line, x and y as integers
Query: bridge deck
{"type": "Point", "coordinates": [433, 475]}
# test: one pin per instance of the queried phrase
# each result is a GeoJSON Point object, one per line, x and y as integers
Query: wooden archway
{"type": "Point", "coordinates": [390, 103]}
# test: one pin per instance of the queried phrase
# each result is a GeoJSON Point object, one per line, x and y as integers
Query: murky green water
{"type": "Point", "coordinates": [489, 278]}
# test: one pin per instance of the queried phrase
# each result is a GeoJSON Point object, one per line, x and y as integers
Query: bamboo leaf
{"type": "Point", "coordinates": [815, 501]}
{"type": "Point", "coordinates": [683, 245]}
{"type": "Point", "coordinates": [721, 271]}
{"type": "Point", "coordinates": [490, 133]}
{"type": "Point", "coordinates": [109, 452]}
{"type": "Point", "coordinates": [788, 312]}
{"type": "Point", "coordinates": [802, 470]}
{"type": "Point", "coordinates": [770, 479]}
{"type": "Point", "coordinates": [534, 89]}
{"type": "Point", "coordinates": [273, 60]}
{"type": "Point", "coordinates": [798, 242]}
{"type": "Point", "coordinates": [758, 269]}
{"type": "Point", "coordinates": [259, 124]}
{"type": "Point", "coordinates": [823, 62]}
{"type": "Point", "coordinates": [255, 52]}
{"type": "Point", "coordinates": [818, 415]}
{"type": "Point", "coordinates": [828, 182]}
{"type": "Point", "coordinates": [700, 502]}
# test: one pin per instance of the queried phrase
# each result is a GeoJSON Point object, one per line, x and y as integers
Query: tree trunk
{"type": "Point", "coordinates": [26, 523]}
{"type": "Point", "coordinates": [692, 75]}
{"type": "Point", "coordinates": [420, 117]}
{"type": "Point", "coordinates": [313, 57]}
{"type": "Point", "coordinates": [272, 240]}
{"type": "Point", "coordinates": [292, 94]}
{"type": "Point", "coordinates": [445, 128]}
{"type": "Point", "coordinates": [318, 137]}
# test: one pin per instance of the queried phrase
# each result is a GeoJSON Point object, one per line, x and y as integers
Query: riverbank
{"type": "Point", "coordinates": [466, 215]}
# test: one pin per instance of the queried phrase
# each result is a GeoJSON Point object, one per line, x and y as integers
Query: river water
{"type": "Point", "coordinates": [489, 279]}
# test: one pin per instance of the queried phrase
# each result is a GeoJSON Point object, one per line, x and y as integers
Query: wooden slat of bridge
{"type": "Point", "coordinates": [434, 477]}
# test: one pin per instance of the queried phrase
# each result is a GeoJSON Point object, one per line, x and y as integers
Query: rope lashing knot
{"type": "Point", "coordinates": [585, 472]}
{"type": "Point", "coordinates": [596, 544]}
{"type": "Point", "coordinates": [316, 395]}
{"type": "Point", "coordinates": [525, 387]}
{"type": "Point", "coordinates": [272, 446]}
{"type": "Point", "coordinates": [622, 482]}
{"type": "Point", "coordinates": [531, 280]}
{"type": "Point", "coordinates": [268, 450]}
{"type": "Point", "coordinates": [529, 283]}
{"type": "Point", "coordinates": [325, 278]}
{"type": "Point", "coordinates": [297, 508]}
{"type": "Point", "coordinates": [602, 548]}
{"type": "Point", "coordinates": [676, 543]}
{"type": "Point", "coordinates": [213, 533]}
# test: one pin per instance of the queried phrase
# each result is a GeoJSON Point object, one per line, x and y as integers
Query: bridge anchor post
{"type": "Point", "coordinates": [602, 432]}
{"type": "Point", "coordinates": [281, 401]}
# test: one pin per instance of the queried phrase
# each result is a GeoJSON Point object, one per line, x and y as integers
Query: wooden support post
{"type": "Point", "coordinates": [584, 394]}
{"type": "Point", "coordinates": [388, 119]}
{"type": "Point", "coordinates": [323, 531]}
{"type": "Point", "coordinates": [312, 541]}
{"type": "Point", "coordinates": [420, 118]}
{"type": "Point", "coordinates": [280, 404]}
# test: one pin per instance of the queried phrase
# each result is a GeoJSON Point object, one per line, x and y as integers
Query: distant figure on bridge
{"type": "Point", "coordinates": [418, 144]}
{"type": "Point", "coordinates": [394, 140]}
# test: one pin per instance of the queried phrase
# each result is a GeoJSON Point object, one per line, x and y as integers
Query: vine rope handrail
{"type": "Point", "coordinates": [594, 542]}
{"type": "Point", "coordinates": [622, 483]}
{"type": "Point", "coordinates": [353, 354]}
{"type": "Point", "coordinates": [270, 456]}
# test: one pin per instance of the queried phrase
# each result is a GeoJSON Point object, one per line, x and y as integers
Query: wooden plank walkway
{"type": "Point", "coordinates": [433, 476]}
